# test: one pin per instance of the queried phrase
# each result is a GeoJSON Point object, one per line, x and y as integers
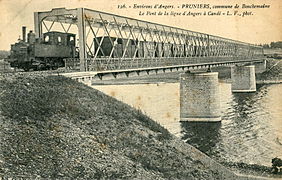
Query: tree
{"type": "Point", "coordinates": [3, 54]}
{"type": "Point", "coordinates": [266, 46]}
{"type": "Point", "coordinates": [277, 44]}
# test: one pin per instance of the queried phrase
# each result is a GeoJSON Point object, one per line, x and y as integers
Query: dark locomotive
{"type": "Point", "coordinates": [50, 51]}
{"type": "Point", "coordinates": [42, 54]}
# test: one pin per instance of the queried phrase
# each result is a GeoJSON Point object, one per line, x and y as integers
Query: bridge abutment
{"type": "Point", "coordinates": [260, 67]}
{"type": "Point", "coordinates": [243, 78]}
{"type": "Point", "coordinates": [199, 97]}
{"type": "Point", "coordinates": [85, 80]}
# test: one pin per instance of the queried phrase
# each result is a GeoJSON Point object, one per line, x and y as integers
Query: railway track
{"type": "Point", "coordinates": [32, 73]}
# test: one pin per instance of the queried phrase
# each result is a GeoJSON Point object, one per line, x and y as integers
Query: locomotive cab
{"type": "Point", "coordinates": [53, 48]}
{"type": "Point", "coordinates": [59, 38]}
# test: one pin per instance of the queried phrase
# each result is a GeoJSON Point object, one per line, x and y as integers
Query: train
{"type": "Point", "coordinates": [43, 53]}
{"type": "Point", "coordinates": [50, 51]}
{"type": "Point", "coordinates": [128, 48]}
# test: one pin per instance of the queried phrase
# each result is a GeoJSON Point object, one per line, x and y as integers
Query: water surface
{"type": "Point", "coordinates": [251, 127]}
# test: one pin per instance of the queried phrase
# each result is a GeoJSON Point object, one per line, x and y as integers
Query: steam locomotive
{"type": "Point", "coordinates": [50, 51]}
{"type": "Point", "coordinates": [42, 53]}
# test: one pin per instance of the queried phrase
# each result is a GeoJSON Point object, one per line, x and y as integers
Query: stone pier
{"type": "Point", "coordinates": [199, 97]}
{"type": "Point", "coordinates": [243, 78]}
{"type": "Point", "coordinates": [260, 67]}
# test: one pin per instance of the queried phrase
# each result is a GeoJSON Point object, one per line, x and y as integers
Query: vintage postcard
{"type": "Point", "coordinates": [139, 89]}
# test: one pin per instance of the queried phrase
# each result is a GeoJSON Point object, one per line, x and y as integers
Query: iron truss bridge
{"type": "Point", "coordinates": [109, 42]}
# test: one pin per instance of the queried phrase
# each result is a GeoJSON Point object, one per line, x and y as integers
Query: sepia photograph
{"type": "Point", "coordinates": [139, 89]}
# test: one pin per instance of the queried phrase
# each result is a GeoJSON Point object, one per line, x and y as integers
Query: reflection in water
{"type": "Point", "coordinates": [250, 130]}
{"type": "Point", "coordinates": [246, 104]}
{"type": "Point", "coordinates": [206, 133]}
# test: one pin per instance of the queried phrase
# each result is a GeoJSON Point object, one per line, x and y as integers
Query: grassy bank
{"type": "Point", "coordinates": [273, 70]}
{"type": "Point", "coordinates": [53, 127]}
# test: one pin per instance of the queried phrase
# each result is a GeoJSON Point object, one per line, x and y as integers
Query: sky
{"type": "Point", "coordinates": [263, 26]}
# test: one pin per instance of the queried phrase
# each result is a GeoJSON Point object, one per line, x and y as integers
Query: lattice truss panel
{"type": "Point", "coordinates": [109, 41]}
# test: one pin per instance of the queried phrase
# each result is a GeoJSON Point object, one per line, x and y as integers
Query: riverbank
{"type": "Point", "coordinates": [271, 76]}
{"type": "Point", "coordinates": [53, 127]}
{"type": "Point", "coordinates": [246, 137]}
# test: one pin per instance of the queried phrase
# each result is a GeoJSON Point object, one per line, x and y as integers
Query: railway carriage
{"type": "Point", "coordinates": [50, 51]}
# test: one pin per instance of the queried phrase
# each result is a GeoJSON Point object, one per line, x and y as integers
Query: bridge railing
{"type": "Point", "coordinates": [72, 64]}
{"type": "Point", "coordinates": [103, 64]}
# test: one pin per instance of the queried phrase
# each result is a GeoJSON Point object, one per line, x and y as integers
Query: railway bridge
{"type": "Point", "coordinates": [113, 46]}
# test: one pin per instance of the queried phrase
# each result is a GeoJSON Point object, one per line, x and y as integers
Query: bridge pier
{"type": "Point", "coordinates": [199, 97]}
{"type": "Point", "coordinates": [260, 67]}
{"type": "Point", "coordinates": [243, 78]}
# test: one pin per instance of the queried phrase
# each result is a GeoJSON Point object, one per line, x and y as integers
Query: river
{"type": "Point", "coordinates": [251, 127]}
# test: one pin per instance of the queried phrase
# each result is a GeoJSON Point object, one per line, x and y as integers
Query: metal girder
{"type": "Point", "coordinates": [71, 16]}
{"type": "Point", "coordinates": [144, 43]}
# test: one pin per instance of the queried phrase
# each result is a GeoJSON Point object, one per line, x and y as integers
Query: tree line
{"type": "Point", "coordinates": [277, 44]}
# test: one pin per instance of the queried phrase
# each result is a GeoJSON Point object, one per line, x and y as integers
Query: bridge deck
{"type": "Point", "coordinates": [100, 74]}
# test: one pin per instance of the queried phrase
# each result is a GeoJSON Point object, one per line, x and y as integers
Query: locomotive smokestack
{"type": "Point", "coordinates": [24, 33]}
